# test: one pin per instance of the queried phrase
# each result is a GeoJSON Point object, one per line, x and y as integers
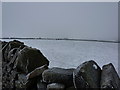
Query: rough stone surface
{"type": "Point", "coordinates": [17, 61]}
{"type": "Point", "coordinates": [9, 54]}
{"type": "Point", "coordinates": [41, 85]}
{"type": "Point", "coordinates": [24, 68]}
{"type": "Point", "coordinates": [9, 46]}
{"type": "Point", "coordinates": [55, 86]}
{"type": "Point", "coordinates": [30, 58]}
{"type": "Point", "coordinates": [23, 82]}
{"type": "Point", "coordinates": [87, 75]}
{"type": "Point", "coordinates": [58, 75]}
{"type": "Point", "coordinates": [38, 71]}
{"type": "Point", "coordinates": [109, 77]}
{"type": "Point", "coordinates": [71, 88]}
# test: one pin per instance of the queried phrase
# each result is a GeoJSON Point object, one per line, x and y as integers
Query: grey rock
{"type": "Point", "coordinates": [29, 58]}
{"type": "Point", "coordinates": [3, 43]}
{"type": "Point", "coordinates": [9, 46]}
{"type": "Point", "coordinates": [11, 53]}
{"type": "Point", "coordinates": [71, 88]}
{"type": "Point", "coordinates": [18, 84]}
{"type": "Point", "coordinates": [109, 77]}
{"type": "Point", "coordinates": [58, 75]}
{"type": "Point", "coordinates": [41, 85]}
{"type": "Point", "coordinates": [23, 82]}
{"type": "Point", "coordinates": [87, 75]}
{"type": "Point", "coordinates": [55, 86]}
{"type": "Point", "coordinates": [38, 71]}
{"type": "Point", "coordinates": [17, 61]}
{"type": "Point", "coordinates": [22, 79]}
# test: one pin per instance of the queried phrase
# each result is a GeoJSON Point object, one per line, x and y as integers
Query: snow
{"type": "Point", "coordinates": [94, 66]}
{"type": "Point", "coordinates": [70, 54]}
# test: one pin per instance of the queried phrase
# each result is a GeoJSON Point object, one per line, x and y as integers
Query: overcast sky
{"type": "Point", "coordinates": [61, 20]}
{"type": "Point", "coordinates": [0, 19]}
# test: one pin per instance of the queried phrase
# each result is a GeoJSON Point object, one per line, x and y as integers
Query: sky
{"type": "Point", "coordinates": [0, 20]}
{"type": "Point", "coordinates": [60, 0]}
{"type": "Point", "coordinates": [80, 20]}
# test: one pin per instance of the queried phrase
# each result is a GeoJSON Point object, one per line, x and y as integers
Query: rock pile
{"type": "Point", "coordinates": [27, 68]}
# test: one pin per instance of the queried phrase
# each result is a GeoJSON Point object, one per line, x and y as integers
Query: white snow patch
{"type": "Point", "coordinates": [53, 84]}
{"type": "Point", "coordinates": [94, 66]}
{"type": "Point", "coordinates": [70, 54]}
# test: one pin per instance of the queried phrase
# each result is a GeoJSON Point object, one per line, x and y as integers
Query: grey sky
{"type": "Point", "coordinates": [61, 20]}
{"type": "Point", "coordinates": [0, 19]}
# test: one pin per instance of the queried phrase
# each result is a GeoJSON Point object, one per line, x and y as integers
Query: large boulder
{"type": "Point", "coordinates": [58, 75]}
{"type": "Point", "coordinates": [109, 77]}
{"type": "Point", "coordinates": [29, 58]}
{"type": "Point", "coordinates": [87, 75]}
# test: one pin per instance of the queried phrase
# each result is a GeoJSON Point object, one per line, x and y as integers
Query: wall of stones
{"type": "Point", "coordinates": [27, 68]}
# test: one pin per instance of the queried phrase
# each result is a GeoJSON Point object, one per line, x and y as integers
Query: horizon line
{"type": "Point", "coordinates": [70, 39]}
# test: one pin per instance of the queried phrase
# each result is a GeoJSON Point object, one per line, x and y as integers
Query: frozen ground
{"type": "Point", "coordinates": [70, 54]}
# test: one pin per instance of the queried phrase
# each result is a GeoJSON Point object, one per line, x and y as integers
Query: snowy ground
{"type": "Point", "coordinates": [70, 54]}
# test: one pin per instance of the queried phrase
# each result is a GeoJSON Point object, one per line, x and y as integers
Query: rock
{"type": "Point", "coordinates": [109, 77]}
{"type": "Point", "coordinates": [41, 85]}
{"type": "Point", "coordinates": [8, 76]}
{"type": "Point", "coordinates": [30, 58]}
{"type": "Point", "coordinates": [23, 82]}
{"type": "Point", "coordinates": [87, 75]}
{"type": "Point", "coordinates": [18, 84]}
{"type": "Point", "coordinates": [71, 88]}
{"type": "Point", "coordinates": [10, 45]}
{"type": "Point", "coordinates": [17, 61]}
{"type": "Point", "coordinates": [3, 43]}
{"type": "Point", "coordinates": [55, 86]}
{"type": "Point", "coordinates": [8, 58]}
{"type": "Point", "coordinates": [11, 53]}
{"type": "Point", "coordinates": [15, 44]}
{"type": "Point", "coordinates": [38, 71]}
{"type": "Point", "coordinates": [58, 75]}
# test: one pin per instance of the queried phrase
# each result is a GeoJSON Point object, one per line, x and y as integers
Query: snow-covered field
{"type": "Point", "coordinates": [70, 54]}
